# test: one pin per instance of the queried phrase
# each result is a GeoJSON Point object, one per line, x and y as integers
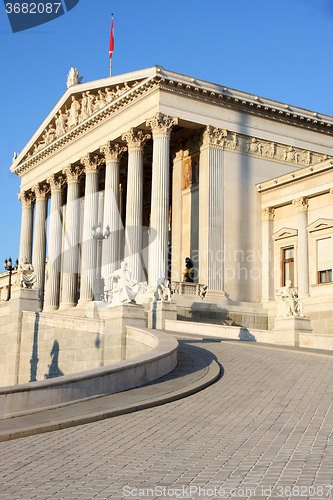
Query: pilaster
{"type": "Point", "coordinates": [302, 205]}
{"type": "Point", "coordinates": [267, 218]}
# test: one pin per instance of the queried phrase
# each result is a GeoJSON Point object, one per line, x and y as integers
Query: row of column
{"type": "Point", "coordinates": [63, 256]}
{"type": "Point", "coordinates": [267, 217]}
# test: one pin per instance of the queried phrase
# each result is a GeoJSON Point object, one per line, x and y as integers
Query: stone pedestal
{"type": "Point", "coordinates": [286, 330]}
{"type": "Point", "coordinates": [94, 307]}
{"type": "Point", "coordinates": [116, 319]}
{"type": "Point", "coordinates": [160, 311]}
{"type": "Point", "coordinates": [24, 299]}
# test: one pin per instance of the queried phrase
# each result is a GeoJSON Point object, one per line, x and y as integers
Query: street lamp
{"type": "Point", "coordinates": [97, 234]}
{"type": "Point", "coordinates": [8, 265]}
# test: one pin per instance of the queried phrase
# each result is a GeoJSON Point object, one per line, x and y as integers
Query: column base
{"type": "Point", "coordinates": [217, 294]}
{"type": "Point", "coordinates": [66, 306]}
{"type": "Point", "coordinates": [50, 309]}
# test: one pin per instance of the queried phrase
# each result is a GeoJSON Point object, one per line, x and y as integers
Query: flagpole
{"type": "Point", "coordinates": [111, 54]}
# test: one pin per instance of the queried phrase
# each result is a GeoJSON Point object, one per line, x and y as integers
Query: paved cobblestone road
{"type": "Point", "coordinates": [263, 428]}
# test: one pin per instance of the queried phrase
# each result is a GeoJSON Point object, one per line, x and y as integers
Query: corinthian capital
{"type": "Point", "coordinates": [301, 203]}
{"type": "Point", "coordinates": [41, 191]}
{"type": "Point", "coordinates": [161, 124]}
{"type": "Point", "coordinates": [72, 173]}
{"type": "Point", "coordinates": [214, 136]}
{"type": "Point", "coordinates": [267, 213]}
{"type": "Point", "coordinates": [56, 182]}
{"type": "Point", "coordinates": [27, 199]}
{"type": "Point", "coordinates": [135, 138]}
{"type": "Point", "coordinates": [91, 163]}
{"type": "Point", "coordinates": [112, 152]}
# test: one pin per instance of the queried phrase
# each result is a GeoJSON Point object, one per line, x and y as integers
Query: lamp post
{"type": "Point", "coordinates": [8, 265]}
{"type": "Point", "coordinates": [97, 234]}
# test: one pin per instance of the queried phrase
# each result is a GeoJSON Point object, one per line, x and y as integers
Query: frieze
{"type": "Point", "coordinates": [253, 146]}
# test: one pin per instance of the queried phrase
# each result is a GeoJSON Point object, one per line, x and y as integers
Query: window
{"type": "Point", "coordinates": [324, 259]}
{"type": "Point", "coordinates": [288, 265]}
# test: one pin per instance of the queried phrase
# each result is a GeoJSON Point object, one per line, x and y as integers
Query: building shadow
{"type": "Point", "coordinates": [34, 355]}
{"type": "Point", "coordinates": [54, 370]}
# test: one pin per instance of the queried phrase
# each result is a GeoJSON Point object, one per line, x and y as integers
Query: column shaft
{"type": "Point", "coordinates": [71, 240]}
{"type": "Point", "coordinates": [52, 292]}
{"type": "Point", "coordinates": [90, 219]}
{"type": "Point", "coordinates": [26, 226]}
{"type": "Point", "coordinates": [303, 251]}
{"type": "Point", "coordinates": [177, 229]}
{"type": "Point", "coordinates": [39, 246]}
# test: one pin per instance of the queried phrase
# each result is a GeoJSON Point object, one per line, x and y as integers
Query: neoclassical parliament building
{"type": "Point", "coordinates": [179, 167]}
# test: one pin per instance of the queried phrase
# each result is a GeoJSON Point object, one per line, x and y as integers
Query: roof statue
{"type": "Point", "coordinates": [73, 77]}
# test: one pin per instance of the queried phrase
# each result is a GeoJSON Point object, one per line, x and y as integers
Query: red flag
{"type": "Point", "coordinates": [111, 40]}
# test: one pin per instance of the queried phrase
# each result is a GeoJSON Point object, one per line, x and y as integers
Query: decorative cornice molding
{"type": "Point", "coordinates": [91, 163]}
{"type": "Point", "coordinates": [56, 182]}
{"type": "Point", "coordinates": [267, 213]}
{"type": "Point", "coordinates": [302, 203]}
{"type": "Point", "coordinates": [41, 191]}
{"type": "Point", "coordinates": [214, 136]}
{"type": "Point", "coordinates": [161, 124]}
{"type": "Point", "coordinates": [135, 138]}
{"type": "Point", "coordinates": [27, 199]}
{"type": "Point", "coordinates": [72, 173]}
{"type": "Point", "coordinates": [112, 152]}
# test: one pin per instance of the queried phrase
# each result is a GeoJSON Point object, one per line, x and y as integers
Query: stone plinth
{"type": "Point", "coordinates": [286, 331]}
{"type": "Point", "coordinates": [160, 311]}
{"type": "Point", "coordinates": [24, 299]}
{"type": "Point", "coordinates": [116, 319]}
{"type": "Point", "coordinates": [94, 307]}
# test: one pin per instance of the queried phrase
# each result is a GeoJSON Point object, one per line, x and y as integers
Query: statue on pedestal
{"type": "Point", "coordinates": [126, 289]}
{"type": "Point", "coordinates": [288, 302]}
{"type": "Point", "coordinates": [163, 289]}
{"type": "Point", "coordinates": [25, 274]}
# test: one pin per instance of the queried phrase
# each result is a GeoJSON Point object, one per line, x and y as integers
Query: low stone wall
{"type": "Point", "coordinates": [222, 331]}
{"type": "Point", "coordinates": [121, 376]}
{"type": "Point", "coordinates": [311, 340]}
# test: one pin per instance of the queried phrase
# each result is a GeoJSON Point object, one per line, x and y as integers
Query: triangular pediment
{"type": "Point", "coordinates": [320, 224]}
{"type": "Point", "coordinates": [284, 232]}
{"type": "Point", "coordinates": [79, 106]}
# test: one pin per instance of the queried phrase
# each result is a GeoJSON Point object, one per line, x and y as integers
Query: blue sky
{"type": "Point", "coordinates": [276, 49]}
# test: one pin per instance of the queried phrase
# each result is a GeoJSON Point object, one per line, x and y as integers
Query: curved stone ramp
{"type": "Point", "coordinates": [196, 369]}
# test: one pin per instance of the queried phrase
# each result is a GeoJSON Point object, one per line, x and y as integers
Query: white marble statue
{"type": "Point", "coordinates": [126, 288]}
{"type": "Point", "coordinates": [84, 107]}
{"type": "Point", "coordinates": [288, 302]}
{"type": "Point", "coordinates": [73, 113]}
{"type": "Point", "coordinates": [90, 103]}
{"type": "Point", "coordinates": [163, 289]}
{"type": "Point", "coordinates": [101, 100]}
{"type": "Point", "coordinates": [60, 124]}
{"type": "Point", "coordinates": [25, 276]}
{"type": "Point", "coordinates": [73, 77]}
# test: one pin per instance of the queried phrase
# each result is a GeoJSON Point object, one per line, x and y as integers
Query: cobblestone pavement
{"type": "Point", "coordinates": [263, 430]}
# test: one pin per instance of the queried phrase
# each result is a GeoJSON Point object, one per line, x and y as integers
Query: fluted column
{"type": "Point", "coordinates": [28, 200]}
{"type": "Point", "coordinates": [161, 126]}
{"type": "Point", "coordinates": [90, 219]}
{"type": "Point", "coordinates": [39, 246]}
{"type": "Point", "coordinates": [134, 201]}
{"type": "Point", "coordinates": [177, 223]}
{"type": "Point", "coordinates": [70, 266]}
{"type": "Point", "coordinates": [267, 217]}
{"type": "Point", "coordinates": [52, 291]}
{"type": "Point", "coordinates": [211, 215]}
{"type": "Point", "coordinates": [110, 255]}
{"type": "Point", "coordinates": [303, 251]}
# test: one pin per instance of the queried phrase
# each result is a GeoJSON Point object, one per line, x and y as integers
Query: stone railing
{"type": "Point", "coordinates": [192, 289]}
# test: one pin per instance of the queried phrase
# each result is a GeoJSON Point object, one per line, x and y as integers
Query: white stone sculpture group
{"type": "Point", "coordinates": [288, 303]}
{"type": "Point", "coordinates": [25, 276]}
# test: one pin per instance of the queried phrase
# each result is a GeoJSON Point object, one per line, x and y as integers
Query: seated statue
{"type": "Point", "coordinates": [163, 289]}
{"type": "Point", "coordinates": [25, 274]}
{"type": "Point", "coordinates": [288, 302]}
{"type": "Point", "coordinates": [126, 289]}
